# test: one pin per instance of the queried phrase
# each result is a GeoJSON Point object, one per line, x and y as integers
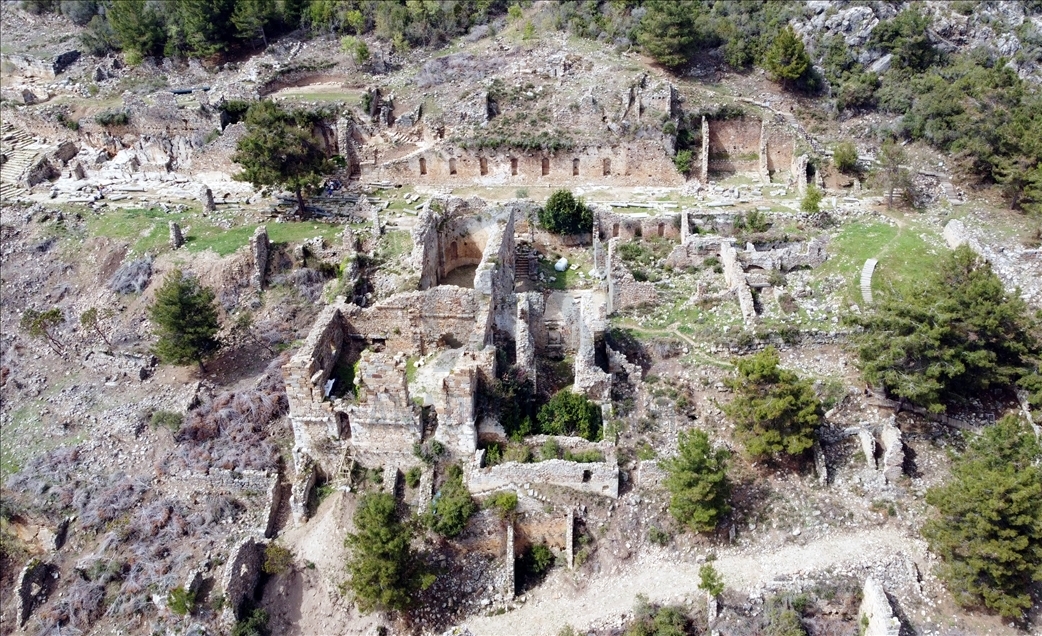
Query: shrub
{"type": "Point", "coordinates": [588, 456]}
{"type": "Point", "coordinates": [683, 161]}
{"type": "Point", "coordinates": [167, 419]}
{"type": "Point", "coordinates": [452, 505]}
{"type": "Point", "coordinates": [564, 214]}
{"type": "Point", "coordinates": [550, 450]}
{"type": "Point", "coordinates": [655, 620]}
{"type": "Point", "coordinates": [503, 502]}
{"type": "Point", "coordinates": [180, 601]}
{"type": "Point", "coordinates": [537, 559]}
{"type": "Point", "coordinates": [412, 477]}
{"type": "Point", "coordinates": [569, 413]}
{"type": "Point", "coordinates": [658, 536]}
{"type": "Point", "coordinates": [385, 573]}
{"type": "Point", "coordinates": [845, 157]}
{"type": "Point", "coordinates": [710, 580]}
{"type": "Point", "coordinates": [277, 559]}
{"type": "Point", "coordinates": [253, 624]}
{"type": "Point", "coordinates": [429, 452]}
{"type": "Point", "coordinates": [812, 200]}
{"type": "Point", "coordinates": [112, 118]}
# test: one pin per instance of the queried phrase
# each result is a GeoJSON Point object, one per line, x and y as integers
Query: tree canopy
{"type": "Point", "coordinates": [385, 572]}
{"type": "Point", "coordinates": [452, 506]}
{"type": "Point", "coordinates": [565, 214]}
{"type": "Point", "coordinates": [279, 149]}
{"type": "Point", "coordinates": [988, 529]}
{"type": "Point", "coordinates": [955, 335]}
{"type": "Point", "coordinates": [185, 317]}
{"type": "Point", "coordinates": [776, 412]}
{"type": "Point", "coordinates": [568, 413]}
{"type": "Point", "coordinates": [697, 482]}
{"type": "Point", "coordinates": [787, 59]}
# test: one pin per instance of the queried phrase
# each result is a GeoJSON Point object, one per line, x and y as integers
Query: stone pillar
{"type": "Point", "coordinates": [876, 615]}
{"type": "Point", "coordinates": [259, 245]}
{"type": "Point", "coordinates": [685, 227]}
{"type": "Point", "coordinates": [206, 197]}
{"type": "Point", "coordinates": [569, 539]}
{"type": "Point", "coordinates": [893, 451]}
{"type": "Point", "coordinates": [176, 238]}
{"type": "Point", "coordinates": [765, 174]}
{"type": "Point", "coordinates": [799, 173]}
{"type": "Point", "coordinates": [509, 585]}
{"type": "Point", "coordinates": [704, 171]}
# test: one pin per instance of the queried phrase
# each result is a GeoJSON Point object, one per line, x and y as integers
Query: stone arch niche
{"type": "Point", "coordinates": [423, 166]}
{"type": "Point", "coordinates": [462, 241]}
{"type": "Point", "coordinates": [546, 166]}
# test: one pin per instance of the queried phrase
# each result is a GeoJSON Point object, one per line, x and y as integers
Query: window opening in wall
{"type": "Point", "coordinates": [606, 167]}
{"type": "Point", "coordinates": [453, 251]}
{"type": "Point", "coordinates": [423, 166]}
{"type": "Point", "coordinates": [661, 229]}
{"type": "Point", "coordinates": [483, 163]}
{"type": "Point", "coordinates": [546, 166]}
{"type": "Point", "coordinates": [452, 166]}
{"type": "Point", "coordinates": [575, 167]}
{"type": "Point", "coordinates": [587, 476]}
{"type": "Point", "coordinates": [638, 232]}
{"type": "Point", "coordinates": [513, 166]}
{"type": "Point", "coordinates": [615, 230]}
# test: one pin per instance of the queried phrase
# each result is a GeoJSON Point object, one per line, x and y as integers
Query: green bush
{"type": "Point", "coordinates": [253, 624]}
{"type": "Point", "coordinates": [844, 155]}
{"type": "Point", "coordinates": [812, 200]}
{"type": "Point", "coordinates": [112, 118]}
{"type": "Point", "coordinates": [452, 505]}
{"type": "Point", "coordinates": [569, 413]}
{"type": "Point", "coordinates": [655, 620]}
{"type": "Point", "coordinates": [167, 419]}
{"type": "Point", "coordinates": [277, 559]}
{"type": "Point", "coordinates": [683, 161]}
{"type": "Point", "coordinates": [503, 502]}
{"type": "Point", "coordinates": [537, 559]}
{"type": "Point", "coordinates": [564, 214]}
{"type": "Point", "coordinates": [412, 477]}
{"type": "Point", "coordinates": [550, 450]}
{"type": "Point", "coordinates": [429, 452]}
{"type": "Point", "coordinates": [710, 580]}
{"type": "Point", "coordinates": [589, 456]}
{"type": "Point", "coordinates": [180, 601]}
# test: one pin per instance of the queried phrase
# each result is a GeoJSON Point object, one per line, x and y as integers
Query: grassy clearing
{"type": "Point", "coordinates": [26, 436]}
{"type": "Point", "coordinates": [147, 231]}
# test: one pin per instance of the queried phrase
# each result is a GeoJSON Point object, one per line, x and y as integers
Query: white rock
{"type": "Point", "coordinates": [561, 265]}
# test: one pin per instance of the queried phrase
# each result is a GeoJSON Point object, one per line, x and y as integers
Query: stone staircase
{"type": "Point", "coordinates": [526, 262]}
{"type": "Point", "coordinates": [866, 280]}
{"type": "Point", "coordinates": [16, 147]}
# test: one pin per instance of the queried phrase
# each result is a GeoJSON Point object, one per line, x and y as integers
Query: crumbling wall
{"type": "Point", "coordinates": [456, 403]}
{"type": "Point", "coordinates": [780, 145]}
{"type": "Point", "coordinates": [35, 583]}
{"type": "Point", "coordinates": [425, 255]}
{"type": "Point", "coordinates": [734, 276]}
{"type": "Point", "coordinates": [524, 340]}
{"type": "Point", "coordinates": [734, 145]}
{"type": "Point", "coordinates": [693, 251]}
{"type": "Point", "coordinates": [259, 247]}
{"type": "Point", "coordinates": [623, 290]}
{"type": "Point", "coordinates": [804, 254]}
{"type": "Point", "coordinates": [893, 451]}
{"type": "Point", "coordinates": [590, 379]}
{"type": "Point", "coordinates": [876, 614]}
{"type": "Point", "coordinates": [630, 226]}
{"type": "Point", "coordinates": [240, 578]}
{"type": "Point", "coordinates": [636, 163]}
{"type": "Point", "coordinates": [383, 417]}
{"type": "Point", "coordinates": [597, 478]}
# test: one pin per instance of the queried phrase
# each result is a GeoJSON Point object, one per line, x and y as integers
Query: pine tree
{"type": "Point", "coordinates": [894, 176]}
{"type": "Point", "coordinates": [667, 32]}
{"type": "Point", "coordinates": [988, 530]}
{"type": "Point", "coordinates": [697, 482]}
{"type": "Point", "coordinates": [280, 149]}
{"type": "Point", "coordinates": [787, 59]}
{"type": "Point", "coordinates": [185, 318]}
{"type": "Point", "coordinates": [776, 412]}
{"type": "Point", "coordinates": [138, 27]}
{"type": "Point", "coordinates": [955, 335]}
{"type": "Point", "coordinates": [251, 16]}
{"type": "Point", "coordinates": [385, 572]}
{"type": "Point", "coordinates": [43, 324]}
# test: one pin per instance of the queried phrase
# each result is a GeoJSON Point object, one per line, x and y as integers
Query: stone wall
{"type": "Point", "coordinates": [694, 251]}
{"type": "Point", "coordinates": [240, 578]}
{"type": "Point", "coordinates": [456, 403]}
{"type": "Point", "coordinates": [590, 379]}
{"type": "Point", "coordinates": [734, 276]}
{"type": "Point", "coordinates": [623, 290]}
{"type": "Point", "coordinates": [780, 146]}
{"type": "Point", "coordinates": [383, 417]}
{"type": "Point", "coordinates": [599, 478]}
{"type": "Point", "coordinates": [34, 584]}
{"type": "Point", "coordinates": [809, 254]}
{"type": "Point", "coordinates": [259, 247]}
{"type": "Point", "coordinates": [876, 614]}
{"type": "Point", "coordinates": [631, 226]}
{"type": "Point", "coordinates": [734, 145]}
{"type": "Point", "coordinates": [637, 163]}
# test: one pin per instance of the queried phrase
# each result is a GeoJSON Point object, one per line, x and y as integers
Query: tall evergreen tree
{"type": "Point", "coordinates": [988, 531]}
{"type": "Point", "coordinates": [775, 411]}
{"type": "Point", "coordinates": [385, 572]}
{"type": "Point", "coordinates": [787, 59]}
{"type": "Point", "coordinates": [185, 318]}
{"type": "Point", "coordinates": [955, 335]}
{"type": "Point", "coordinates": [697, 482]}
{"type": "Point", "coordinates": [138, 27]}
{"type": "Point", "coordinates": [280, 149]}
{"type": "Point", "coordinates": [668, 31]}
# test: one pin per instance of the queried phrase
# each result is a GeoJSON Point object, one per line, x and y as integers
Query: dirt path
{"type": "Point", "coordinates": [552, 607]}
